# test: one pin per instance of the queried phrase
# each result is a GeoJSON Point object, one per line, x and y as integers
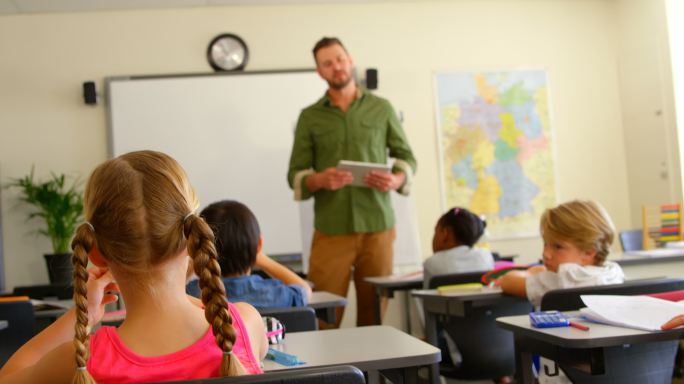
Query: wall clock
{"type": "Point", "coordinates": [227, 52]}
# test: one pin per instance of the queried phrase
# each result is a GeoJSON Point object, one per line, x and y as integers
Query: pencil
{"type": "Point", "coordinates": [579, 326]}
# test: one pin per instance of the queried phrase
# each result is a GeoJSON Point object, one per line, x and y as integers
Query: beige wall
{"type": "Point", "coordinates": [646, 93]}
{"type": "Point", "coordinates": [675, 15]}
{"type": "Point", "coordinates": [45, 58]}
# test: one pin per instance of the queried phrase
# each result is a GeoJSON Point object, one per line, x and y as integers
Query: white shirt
{"type": "Point", "coordinates": [569, 275]}
{"type": "Point", "coordinates": [572, 275]}
{"type": "Point", "coordinates": [457, 259]}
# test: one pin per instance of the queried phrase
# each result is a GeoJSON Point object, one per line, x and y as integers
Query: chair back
{"type": "Point", "coordinates": [632, 240]}
{"type": "Point", "coordinates": [341, 374]}
{"type": "Point", "coordinates": [455, 278]}
{"type": "Point", "coordinates": [21, 326]}
{"type": "Point", "coordinates": [48, 291]}
{"type": "Point", "coordinates": [569, 299]}
{"type": "Point", "coordinates": [295, 319]}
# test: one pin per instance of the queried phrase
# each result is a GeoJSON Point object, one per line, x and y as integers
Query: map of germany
{"type": "Point", "coordinates": [495, 139]}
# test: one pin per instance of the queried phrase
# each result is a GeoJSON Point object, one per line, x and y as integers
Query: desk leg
{"type": "Point", "coordinates": [431, 328]}
{"type": "Point", "coordinates": [408, 311]}
{"type": "Point", "coordinates": [329, 315]}
{"type": "Point", "coordinates": [434, 374]}
{"type": "Point", "coordinates": [523, 363]}
{"type": "Point", "coordinates": [410, 375]}
{"type": "Point", "coordinates": [378, 309]}
{"type": "Point", "coordinates": [373, 377]}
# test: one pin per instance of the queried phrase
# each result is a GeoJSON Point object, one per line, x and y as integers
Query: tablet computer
{"type": "Point", "coordinates": [360, 168]}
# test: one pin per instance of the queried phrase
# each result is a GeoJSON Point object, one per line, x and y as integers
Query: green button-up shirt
{"type": "Point", "coordinates": [324, 136]}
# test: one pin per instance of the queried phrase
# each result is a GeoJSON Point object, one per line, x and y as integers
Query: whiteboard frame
{"type": "Point", "coordinates": [407, 244]}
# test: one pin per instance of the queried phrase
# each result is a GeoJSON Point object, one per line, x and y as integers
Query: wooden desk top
{"type": "Point", "coordinates": [367, 348]}
{"type": "Point", "coordinates": [599, 335]}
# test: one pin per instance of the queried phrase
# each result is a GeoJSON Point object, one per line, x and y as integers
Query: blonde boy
{"type": "Point", "coordinates": [577, 238]}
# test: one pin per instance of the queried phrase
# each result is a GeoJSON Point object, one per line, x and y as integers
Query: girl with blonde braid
{"type": "Point", "coordinates": [140, 228]}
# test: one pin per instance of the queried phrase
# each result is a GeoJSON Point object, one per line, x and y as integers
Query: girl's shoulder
{"type": "Point", "coordinates": [246, 311]}
{"type": "Point", "coordinates": [254, 326]}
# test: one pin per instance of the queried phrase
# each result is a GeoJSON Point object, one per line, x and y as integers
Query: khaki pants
{"type": "Point", "coordinates": [332, 259]}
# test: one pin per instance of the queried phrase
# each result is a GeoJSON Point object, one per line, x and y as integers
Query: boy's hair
{"type": "Point", "coordinates": [326, 42]}
{"type": "Point", "coordinates": [237, 235]}
{"type": "Point", "coordinates": [139, 211]}
{"type": "Point", "coordinates": [583, 223]}
{"type": "Point", "coordinates": [466, 226]}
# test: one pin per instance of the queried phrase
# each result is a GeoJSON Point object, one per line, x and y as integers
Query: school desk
{"type": "Point", "coordinates": [583, 350]}
{"type": "Point", "coordinates": [325, 304]}
{"type": "Point", "coordinates": [385, 286]}
{"type": "Point", "coordinates": [662, 262]}
{"type": "Point", "coordinates": [458, 304]}
{"type": "Point", "coordinates": [371, 349]}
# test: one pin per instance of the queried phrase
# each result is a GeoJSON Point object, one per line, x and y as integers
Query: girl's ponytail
{"type": "Point", "coordinates": [200, 243]}
{"type": "Point", "coordinates": [81, 245]}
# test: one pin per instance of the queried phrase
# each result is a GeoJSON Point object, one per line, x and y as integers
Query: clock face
{"type": "Point", "coordinates": [227, 52]}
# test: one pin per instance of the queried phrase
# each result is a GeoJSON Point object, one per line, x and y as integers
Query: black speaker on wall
{"type": "Point", "coordinates": [89, 93]}
{"type": "Point", "coordinates": [372, 78]}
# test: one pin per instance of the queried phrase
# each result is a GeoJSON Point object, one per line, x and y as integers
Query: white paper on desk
{"type": "Point", "coordinates": [639, 312]}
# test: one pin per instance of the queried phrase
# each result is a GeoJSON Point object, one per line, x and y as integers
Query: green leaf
{"type": "Point", "coordinates": [59, 206]}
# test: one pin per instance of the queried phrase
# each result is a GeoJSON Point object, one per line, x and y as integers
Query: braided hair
{"type": "Point", "coordinates": [138, 208]}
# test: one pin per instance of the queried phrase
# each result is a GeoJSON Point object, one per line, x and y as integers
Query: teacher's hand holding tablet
{"type": "Point", "coordinates": [331, 179]}
{"type": "Point", "coordinates": [384, 181]}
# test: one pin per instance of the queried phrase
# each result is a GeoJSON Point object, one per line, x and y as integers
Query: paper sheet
{"type": "Point", "coordinates": [639, 312]}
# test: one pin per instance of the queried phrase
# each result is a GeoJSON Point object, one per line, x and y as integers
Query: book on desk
{"type": "Point", "coordinates": [458, 288]}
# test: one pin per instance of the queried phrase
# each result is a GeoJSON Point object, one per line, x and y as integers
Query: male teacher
{"type": "Point", "coordinates": [354, 226]}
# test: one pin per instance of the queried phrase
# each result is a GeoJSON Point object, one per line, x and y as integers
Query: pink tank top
{"type": "Point", "coordinates": [112, 362]}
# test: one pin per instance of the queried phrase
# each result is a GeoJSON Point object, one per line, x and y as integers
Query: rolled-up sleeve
{"type": "Point", "coordinates": [400, 150]}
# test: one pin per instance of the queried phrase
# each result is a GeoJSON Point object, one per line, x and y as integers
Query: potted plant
{"type": "Point", "coordinates": [60, 207]}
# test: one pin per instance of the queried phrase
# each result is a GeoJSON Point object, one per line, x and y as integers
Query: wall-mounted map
{"type": "Point", "coordinates": [495, 146]}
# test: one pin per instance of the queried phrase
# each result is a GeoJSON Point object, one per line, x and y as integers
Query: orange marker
{"type": "Point", "coordinates": [579, 326]}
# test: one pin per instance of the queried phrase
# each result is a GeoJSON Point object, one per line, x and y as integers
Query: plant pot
{"type": "Point", "coordinates": [60, 268]}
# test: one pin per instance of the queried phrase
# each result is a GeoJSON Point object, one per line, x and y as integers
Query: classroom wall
{"type": "Point", "coordinates": [675, 15]}
{"type": "Point", "coordinates": [46, 57]}
{"type": "Point", "coordinates": [647, 99]}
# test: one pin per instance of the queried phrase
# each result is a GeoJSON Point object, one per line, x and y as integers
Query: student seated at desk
{"type": "Point", "coordinates": [140, 229]}
{"type": "Point", "coordinates": [456, 232]}
{"type": "Point", "coordinates": [452, 243]}
{"type": "Point", "coordinates": [577, 238]}
{"type": "Point", "coordinates": [239, 244]}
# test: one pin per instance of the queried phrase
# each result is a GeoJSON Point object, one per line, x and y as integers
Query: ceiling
{"type": "Point", "coordinates": [8, 7]}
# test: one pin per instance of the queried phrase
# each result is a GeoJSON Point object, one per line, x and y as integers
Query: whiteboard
{"type": "Point", "coordinates": [233, 134]}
